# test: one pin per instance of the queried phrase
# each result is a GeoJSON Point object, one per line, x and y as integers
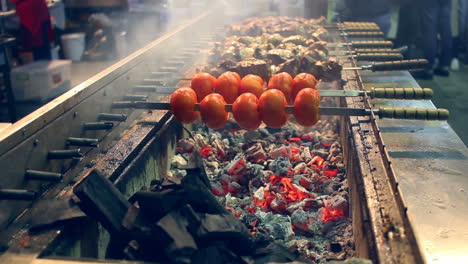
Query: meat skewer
{"type": "Point", "coordinates": [399, 65]}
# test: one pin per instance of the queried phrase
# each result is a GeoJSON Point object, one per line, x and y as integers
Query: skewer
{"type": "Point", "coordinates": [402, 65]}
{"type": "Point", "coordinates": [377, 93]}
{"type": "Point", "coordinates": [399, 65]}
{"type": "Point", "coordinates": [363, 44]}
{"type": "Point", "coordinates": [364, 34]}
{"type": "Point", "coordinates": [398, 113]}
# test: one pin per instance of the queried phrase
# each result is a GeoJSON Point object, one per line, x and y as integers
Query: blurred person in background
{"type": "Point", "coordinates": [35, 27]}
{"type": "Point", "coordinates": [435, 19]}
{"type": "Point", "coordinates": [377, 11]}
{"type": "Point", "coordinates": [460, 20]}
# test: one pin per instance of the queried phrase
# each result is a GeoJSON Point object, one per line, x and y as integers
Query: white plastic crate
{"type": "Point", "coordinates": [41, 80]}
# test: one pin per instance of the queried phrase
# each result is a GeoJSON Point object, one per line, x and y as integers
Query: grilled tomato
{"type": "Point", "coordinates": [301, 81]}
{"type": "Point", "coordinates": [228, 86]}
{"type": "Point", "coordinates": [183, 105]}
{"type": "Point", "coordinates": [283, 82]}
{"type": "Point", "coordinates": [213, 112]}
{"type": "Point", "coordinates": [245, 111]}
{"type": "Point", "coordinates": [271, 106]}
{"type": "Point", "coordinates": [203, 84]}
{"type": "Point", "coordinates": [251, 84]}
{"type": "Point", "coordinates": [306, 107]}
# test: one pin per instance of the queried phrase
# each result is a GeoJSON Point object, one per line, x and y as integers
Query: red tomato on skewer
{"type": "Point", "coordinates": [306, 107]}
{"type": "Point", "coordinates": [183, 105]}
{"type": "Point", "coordinates": [272, 108]}
{"type": "Point", "coordinates": [213, 111]}
{"type": "Point", "coordinates": [245, 111]}
{"type": "Point", "coordinates": [252, 84]}
{"type": "Point", "coordinates": [301, 81]}
{"type": "Point", "coordinates": [203, 84]}
{"type": "Point", "coordinates": [228, 85]}
{"type": "Point", "coordinates": [283, 82]}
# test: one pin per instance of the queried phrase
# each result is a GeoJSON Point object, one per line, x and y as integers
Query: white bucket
{"type": "Point", "coordinates": [73, 46]}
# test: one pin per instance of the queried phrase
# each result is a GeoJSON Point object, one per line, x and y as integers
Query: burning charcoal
{"type": "Point", "coordinates": [321, 153]}
{"type": "Point", "coordinates": [304, 204]}
{"type": "Point", "coordinates": [278, 205]}
{"type": "Point", "coordinates": [300, 168]}
{"type": "Point", "coordinates": [217, 189]}
{"type": "Point", "coordinates": [199, 141]}
{"type": "Point", "coordinates": [237, 165]}
{"type": "Point", "coordinates": [280, 166]}
{"type": "Point", "coordinates": [255, 169]}
{"type": "Point", "coordinates": [183, 245]}
{"type": "Point", "coordinates": [305, 155]}
{"type": "Point", "coordinates": [255, 153]}
{"type": "Point", "coordinates": [303, 181]}
{"type": "Point", "coordinates": [339, 203]}
{"type": "Point", "coordinates": [306, 222]}
{"type": "Point", "coordinates": [330, 186]}
{"type": "Point", "coordinates": [280, 152]}
{"type": "Point", "coordinates": [224, 228]}
{"type": "Point", "coordinates": [278, 226]}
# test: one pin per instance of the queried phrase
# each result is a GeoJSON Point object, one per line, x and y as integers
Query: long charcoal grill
{"type": "Point", "coordinates": [135, 147]}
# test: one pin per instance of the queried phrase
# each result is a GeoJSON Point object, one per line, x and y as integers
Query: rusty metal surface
{"type": "Point", "coordinates": [431, 163]}
{"type": "Point", "coordinates": [390, 229]}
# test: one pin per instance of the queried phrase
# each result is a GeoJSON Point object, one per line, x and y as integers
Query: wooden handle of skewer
{"type": "Point", "coordinates": [371, 44]}
{"type": "Point", "coordinates": [403, 65]}
{"type": "Point", "coordinates": [414, 113]}
{"type": "Point", "coordinates": [402, 93]}
{"type": "Point", "coordinates": [365, 34]}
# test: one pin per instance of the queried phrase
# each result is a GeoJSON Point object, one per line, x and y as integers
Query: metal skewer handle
{"type": "Point", "coordinates": [401, 65]}
{"type": "Point", "coordinates": [379, 56]}
{"type": "Point", "coordinates": [360, 51]}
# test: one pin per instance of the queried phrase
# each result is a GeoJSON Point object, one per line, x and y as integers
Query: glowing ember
{"type": "Point", "coordinates": [329, 214]}
{"type": "Point", "coordinates": [330, 172]}
{"type": "Point", "coordinates": [206, 151]}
